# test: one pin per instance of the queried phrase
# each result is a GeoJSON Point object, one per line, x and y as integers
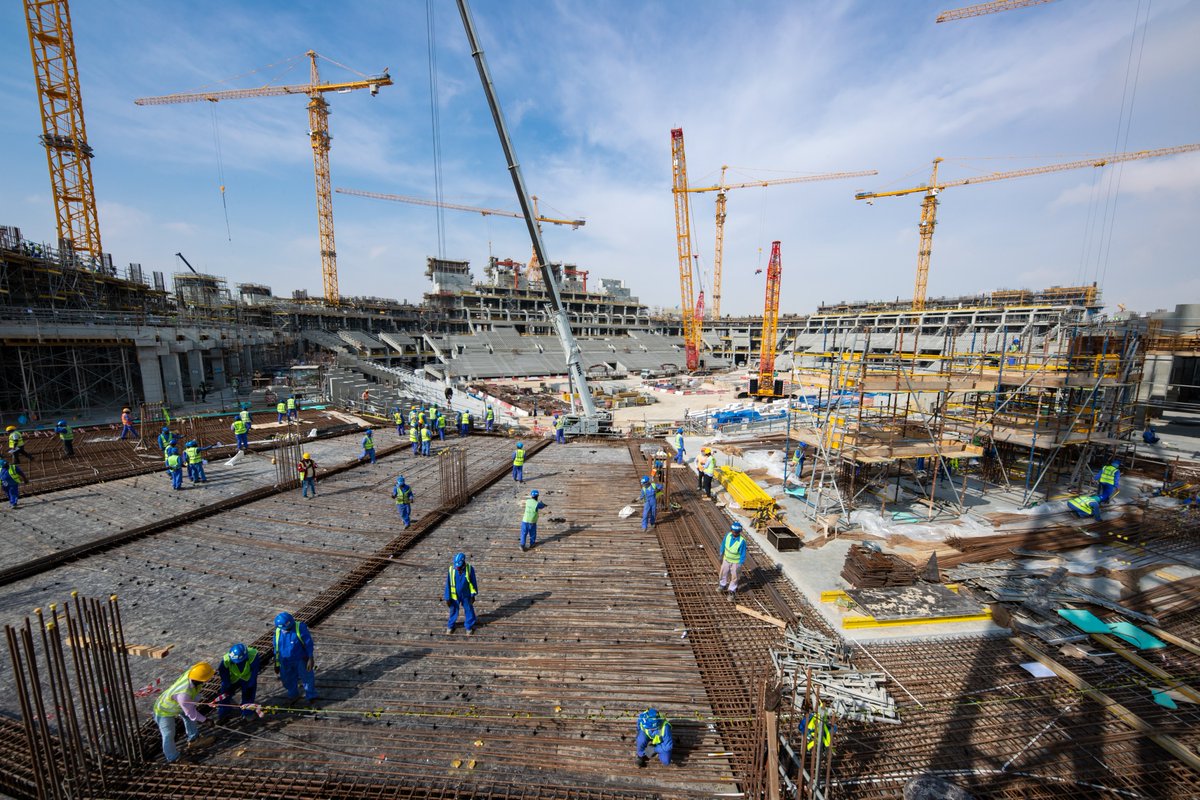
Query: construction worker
{"type": "Point", "coordinates": [426, 438]}
{"type": "Point", "coordinates": [281, 411]}
{"type": "Point", "coordinates": [244, 415]}
{"type": "Point", "coordinates": [519, 463]}
{"type": "Point", "coordinates": [67, 436]}
{"type": "Point", "coordinates": [461, 588]}
{"type": "Point", "coordinates": [706, 469]}
{"type": "Point", "coordinates": [16, 445]}
{"type": "Point", "coordinates": [174, 464]}
{"type": "Point", "coordinates": [1014, 350]}
{"type": "Point", "coordinates": [679, 445]}
{"type": "Point", "coordinates": [441, 426]}
{"type": "Point", "coordinates": [421, 416]}
{"type": "Point", "coordinates": [293, 411]}
{"type": "Point", "coordinates": [239, 670]}
{"type": "Point", "coordinates": [368, 445]}
{"type": "Point", "coordinates": [1149, 436]}
{"type": "Point", "coordinates": [653, 734]}
{"type": "Point", "coordinates": [529, 520]}
{"type": "Point", "coordinates": [398, 419]}
{"type": "Point", "coordinates": [733, 555]}
{"type": "Point", "coordinates": [797, 461]}
{"type": "Point", "coordinates": [403, 494]}
{"type": "Point", "coordinates": [489, 419]}
{"type": "Point", "coordinates": [366, 398]}
{"type": "Point", "coordinates": [649, 497]}
{"type": "Point", "coordinates": [308, 475]}
{"type": "Point", "coordinates": [560, 428]}
{"type": "Point", "coordinates": [241, 432]}
{"type": "Point", "coordinates": [464, 423]}
{"type": "Point", "coordinates": [295, 657]}
{"type": "Point", "coordinates": [1085, 505]}
{"type": "Point", "coordinates": [195, 461]}
{"type": "Point", "coordinates": [1109, 478]}
{"type": "Point", "coordinates": [166, 438]}
{"type": "Point", "coordinates": [412, 418]}
{"type": "Point", "coordinates": [11, 478]}
{"type": "Point", "coordinates": [414, 438]}
{"type": "Point", "coordinates": [179, 700]}
{"type": "Point", "coordinates": [127, 423]}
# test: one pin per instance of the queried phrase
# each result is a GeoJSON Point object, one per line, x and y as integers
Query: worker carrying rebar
{"type": "Point", "coordinates": [519, 463]}
{"type": "Point", "coordinates": [1109, 478]}
{"type": "Point", "coordinates": [653, 735]}
{"type": "Point", "coordinates": [174, 465]}
{"type": "Point", "coordinates": [1085, 505]}
{"type": "Point", "coordinates": [66, 436]}
{"type": "Point", "coordinates": [706, 468]}
{"type": "Point", "coordinates": [489, 419]}
{"type": "Point", "coordinates": [649, 498]}
{"type": "Point", "coordinates": [308, 475]}
{"type": "Point", "coordinates": [678, 446]}
{"type": "Point", "coordinates": [426, 439]}
{"type": "Point", "coordinates": [195, 461]}
{"type": "Point", "coordinates": [166, 438]}
{"type": "Point", "coordinates": [560, 428]}
{"type": "Point", "coordinates": [281, 411]}
{"type": "Point", "coordinates": [239, 671]}
{"type": "Point", "coordinates": [529, 520]}
{"type": "Point", "coordinates": [464, 423]}
{"type": "Point", "coordinates": [441, 426]}
{"type": "Point", "coordinates": [368, 446]}
{"type": "Point", "coordinates": [404, 496]}
{"type": "Point", "coordinates": [241, 432]}
{"type": "Point", "coordinates": [461, 588]}
{"type": "Point", "coordinates": [1150, 436]}
{"type": "Point", "coordinates": [293, 411]}
{"type": "Point", "coordinates": [733, 555]}
{"type": "Point", "coordinates": [179, 701]}
{"type": "Point", "coordinates": [11, 478]}
{"type": "Point", "coordinates": [295, 657]}
{"type": "Point", "coordinates": [127, 424]}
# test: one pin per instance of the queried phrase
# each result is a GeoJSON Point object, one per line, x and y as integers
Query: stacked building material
{"type": "Point", "coordinates": [866, 568]}
{"type": "Point", "coordinates": [809, 660]}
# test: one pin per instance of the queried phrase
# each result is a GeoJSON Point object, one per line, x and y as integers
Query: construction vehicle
{"type": "Point", "coordinates": [64, 135]}
{"type": "Point", "coordinates": [591, 421]}
{"type": "Point", "coordinates": [933, 188]}
{"type": "Point", "coordinates": [318, 132]}
{"type": "Point", "coordinates": [722, 187]}
{"type": "Point", "coordinates": [683, 239]}
{"type": "Point", "coordinates": [766, 386]}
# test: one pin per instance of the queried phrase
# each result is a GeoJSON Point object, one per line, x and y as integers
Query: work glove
{"type": "Point", "coordinates": [310, 665]}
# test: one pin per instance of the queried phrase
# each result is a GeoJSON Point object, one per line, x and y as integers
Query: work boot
{"type": "Point", "coordinates": [449, 631]}
{"type": "Point", "coordinates": [470, 631]}
{"type": "Point", "coordinates": [201, 741]}
{"type": "Point", "coordinates": [524, 548]}
{"type": "Point", "coordinates": [641, 762]}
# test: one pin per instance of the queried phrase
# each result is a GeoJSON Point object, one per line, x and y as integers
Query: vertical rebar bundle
{"type": "Point", "coordinates": [286, 455]}
{"type": "Point", "coordinates": [76, 711]}
{"type": "Point", "coordinates": [453, 464]}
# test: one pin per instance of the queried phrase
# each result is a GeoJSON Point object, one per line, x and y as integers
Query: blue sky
{"type": "Point", "coordinates": [591, 91]}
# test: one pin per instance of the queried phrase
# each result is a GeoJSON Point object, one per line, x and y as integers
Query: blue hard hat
{"type": "Point", "coordinates": [193, 443]}
{"type": "Point", "coordinates": [172, 451]}
{"type": "Point", "coordinates": [736, 527]}
{"type": "Point", "coordinates": [165, 429]}
{"type": "Point", "coordinates": [284, 620]}
{"type": "Point", "coordinates": [399, 480]}
{"type": "Point", "coordinates": [460, 560]}
{"type": "Point", "coordinates": [3, 463]}
{"type": "Point", "coordinates": [645, 479]}
{"type": "Point", "coordinates": [648, 718]}
{"type": "Point", "coordinates": [534, 493]}
{"type": "Point", "coordinates": [520, 445]}
{"type": "Point", "coordinates": [238, 653]}
{"type": "Point", "coordinates": [679, 430]}
{"type": "Point", "coordinates": [61, 422]}
{"type": "Point", "coordinates": [1116, 462]}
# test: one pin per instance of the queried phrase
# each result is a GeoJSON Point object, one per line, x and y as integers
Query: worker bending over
{"type": "Point", "coordinates": [653, 735]}
{"type": "Point", "coordinates": [529, 520]}
{"type": "Point", "coordinates": [461, 588]}
{"type": "Point", "coordinates": [1109, 478]}
{"type": "Point", "coordinates": [733, 555]}
{"type": "Point", "coordinates": [179, 700]}
{"type": "Point", "coordinates": [239, 671]}
{"type": "Point", "coordinates": [295, 657]}
{"type": "Point", "coordinates": [1085, 505]}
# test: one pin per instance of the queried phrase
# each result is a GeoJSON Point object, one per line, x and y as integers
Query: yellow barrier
{"type": "Point", "coordinates": [744, 491]}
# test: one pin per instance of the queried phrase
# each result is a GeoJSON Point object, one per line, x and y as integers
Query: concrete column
{"type": "Point", "coordinates": [152, 382]}
{"type": "Point", "coordinates": [195, 363]}
{"type": "Point", "coordinates": [216, 365]}
{"type": "Point", "coordinates": [248, 362]}
{"type": "Point", "coordinates": [172, 379]}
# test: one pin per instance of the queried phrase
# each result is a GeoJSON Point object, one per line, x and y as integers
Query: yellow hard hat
{"type": "Point", "coordinates": [11, 428]}
{"type": "Point", "coordinates": [306, 455]}
{"type": "Point", "coordinates": [200, 672]}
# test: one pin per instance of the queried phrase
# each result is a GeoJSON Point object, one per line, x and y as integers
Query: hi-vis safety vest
{"type": "Point", "coordinates": [172, 463]}
{"type": "Point", "coordinates": [815, 724]}
{"type": "Point", "coordinates": [1083, 502]}
{"type": "Point", "coordinates": [732, 548]}
{"type": "Point", "coordinates": [193, 454]}
{"type": "Point", "coordinates": [519, 457]}
{"type": "Point", "coordinates": [1108, 474]}
{"type": "Point", "coordinates": [531, 510]}
{"type": "Point", "coordinates": [281, 407]}
{"type": "Point", "coordinates": [412, 433]}
{"type": "Point", "coordinates": [560, 422]}
{"type": "Point", "coordinates": [14, 475]}
{"type": "Point", "coordinates": [650, 493]}
{"type": "Point", "coordinates": [403, 495]}
{"type": "Point", "coordinates": [466, 418]}
{"type": "Point", "coordinates": [368, 442]}
{"type": "Point", "coordinates": [454, 587]}
{"type": "Point", "coordinates": [291, 404]}
{"type": "Point", "coordinates": [425, 435]}
{"type": "Point", "coordinates": [240, 673]}
{"type": "Point", "coordinates": [66, 434]}
{"type": "Point", "coordinates": [239, 426]}
{"type": "Point", "coordinates": [441, 421]}
{"type": "Point", "coordinates": [655, 736]}
{"type": "Point", "coordinates": [490, 415]}
{"type": "Point", "coordinates": [710, 466]}
{"type": "Point", "coordinates": [166, 705]}
{"type": "Point", "coordinates": [398, 417]}
{"type": "Point", "coordinates": [679, 442]}
{"type": "Point", "coordinates": [299, 641]}
{"type": "Point", "coordinates": [245, 416]}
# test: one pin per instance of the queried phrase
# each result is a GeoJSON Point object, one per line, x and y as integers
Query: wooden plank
{"type": "Point", "coordinates": [1171, 638]}
{"type": "Point", "coordinates": [778, 623]}
{"type": "Point", "coordinates": [772, 756]}
{"type": "Point", "coordinates": [1145, 666]}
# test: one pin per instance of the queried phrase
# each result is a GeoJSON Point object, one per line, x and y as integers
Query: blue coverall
{"type": "Point", "coordinates": [293, 648]}
{"type": "Point", "coordinates": [1109, 478]}
{"type": "Point", "coordinates": [461, 593]}
{"type": "Point", "coordinates": [519, 465]}
{"type": "Point", "coordinates": [489, 420]}
{"type": "Point", "coordinates": [529, 521]}
{"type": "Point", "coordinates": [441, 427]}
{"type": "Point", "coordinates": [404, 496]}
{"type": "Point", "coordinates": [679, 448]}
{"type": "Point", "coordinates": [174, 465]}
{"type": "Point", "coordinates": [426, 438]}
{"type": "Point", "coordinates": [464, 423]}
{"type": "Point", "coordinates": [650, 504]}
{"type": "Point", "coordinates": [11, 478]}
{"type": "Point", "coordinates": [368, 445]}
{"type": "Point", "coordinates": [240, 676]}
{"type": "Point", "coordinates": [663, 748]}
{"type": "Point", "coordinates": [560, 429]}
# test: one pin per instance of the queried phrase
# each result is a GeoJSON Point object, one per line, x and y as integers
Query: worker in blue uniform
{"type": "Point", "coordinates": [798, 459]}
{"type": "Point", "coordinates": [529, 520]}
{"type": "Point", "coordinates": [281, 411]}
{"type": "Point", "coordinates": [464, 423]}
{"type": "Point", "coordinates": [461, 588]}
{"type": "Point", "coordinates": [426, 439]}
{"type": "Point", "coordinates": [414, 434]}
{"type": "Point", "coordinates": [368, 445]}
{"type": "Point", "coordinates": [295, 657]}
{"type": "Point", "coordinates": [733, 555]}
{"type": "Point", "coordinates": [560, 428]}
{"type": "Point", "coordinates": [440, 421]}
{"type": "Point", "coordinates": [195, 461]}
{"type": "Point", "coordinates": [489, 420]}
{"type": "Point", "coordinates": [241, 432]}
{"type": "Point", "coordinates": [404, 496]}
{"type": "Point", "coordinates": [1109, 478]}
{"type": "Point", "coordinates": [244, 416]}
{"type": "Point", "coordinates": [1150, 436]}
{"type": "Point", "coordinates": [239, 671]}
{"type": "Point", "coordinates": [11, 478]}
{"type": "Point", "coordinates": [519, 463]}
{"type": "Point", "coordinates": [166, 439]}
{"type": "Point", "coordinates": [398, 420]}
{"type": "Point", "coordinates": [1085, 505]}
{"type": "Point", "coordinates": [67, 436]}
{"type": "Point", "coordinates": [293, 410]}
{"type": "Point", "coordinates": [174, 465]}
{"type": "Point", "coordinates": [649, 497]}
{"type": "Point", "coordinates": [653, 735]}
{"type": "Point", "coordinates": [1014, 350]}
{"type": "Point", "coordinates": [678, 445]}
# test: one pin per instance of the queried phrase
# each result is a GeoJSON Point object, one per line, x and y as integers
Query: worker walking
{"type": "Point", "coordinates": [529, 520]}
{"type": "Point", "coordinates": [706, 469]}
{"type": "Point", "coordinates": [368, 445]}
{"type": "Point", "coordinates": [679, 445]}
{"type": "Point", "coordinates": [281, 411]}
{"type": "Point", "coordinates": [195, 461]}
{"type": "Point", "coordinates": [11, 478]}
{"type": "Point", "coordinates": [1085, 505]}
{"type": "Point", "coordinates": [16, 445]}
{"type": "Point", "coordinates": [426, 438]}
{"type": "Point", "coordinates": [403, 494]}
{"type": "Point", "coordinates": [179, 701]}
{"type": "Point", "coordinates": [308, 475]}
{"type": "Point", "coordinates": [733, 555]}
{"type": "Point", "coordinates": [398, 419]}
{"type": "Point", "coordinates": [464, 423]}
{"type": "Point", "coordinates": [489, 420]}
{"type": "Point", "coordinates": [127, 424]}
{"type": "Point", "coordinates": [649, 496]}
{"type": "Point", "coordinates": [293, 411]}
{"type": "Point", "coordinates": [239, 671]}
{"type": "Point", "coordinates": [461, 588]}
{"type": "Point", "coordinates": [66, 436]}
{"type": "Point", "coordinates": [295, 657]}
{"type": "Point", "coordinates": [1109, 478]}
{"type": "Point", "coordinates": [560, 428]}
{"type": "Point", "coordinates": [414, 434]}
{"type": "Point", "coordinates": [441, 426]}
{"type": "Point", "coordinates": [653, 735]}
{"type": "Point", "coordinates": [241, 432]}
{"type": "Point", "coordinates": [174, 466]}
{"type": "Point", "coordinates": [519, 463]}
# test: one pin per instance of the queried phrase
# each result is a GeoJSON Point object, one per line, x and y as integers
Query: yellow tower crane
{"type": "Point", "coordinates": [64, 135]}
{"type": "Point", "coordinates": [318, 133]}
{"type": "Point", "coordinates": [933, 188]}
{"type": "Point", "coordinates": [981, 9]}
{"type": "Point", "coordinates": [722, 187]}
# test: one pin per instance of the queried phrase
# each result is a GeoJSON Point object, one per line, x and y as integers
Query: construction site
{"type": "Point", "coordinates": [969, 526]}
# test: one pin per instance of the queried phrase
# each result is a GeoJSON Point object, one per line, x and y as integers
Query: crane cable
{"type": "Point", "coordinates": [436, 129]}
{"type": "Point", "coordinates": [220, 168]}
